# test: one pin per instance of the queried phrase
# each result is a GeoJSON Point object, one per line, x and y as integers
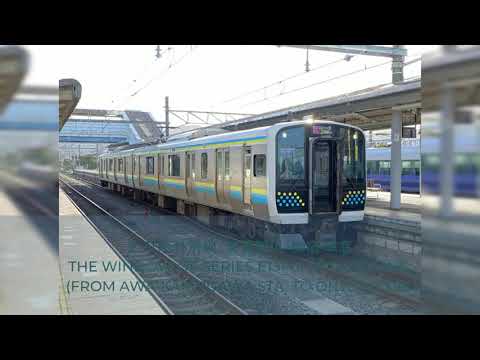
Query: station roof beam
{"type": "Point", "coordinates": [370, 109]}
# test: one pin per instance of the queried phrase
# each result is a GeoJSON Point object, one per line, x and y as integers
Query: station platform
{"type": "Point", "coordinates": [29, 270]}
{"type": "Point", "coordinates": [95, 280]}
{"type": "Point", "coordinates": [378, 205]}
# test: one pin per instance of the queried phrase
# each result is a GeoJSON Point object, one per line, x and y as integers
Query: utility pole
{"type": "Point", "coordinates": [167, 122]}
{"type": "Point", "coordinates": [397, 66]}
{"type": "Point", "coordinates": [307, 64]}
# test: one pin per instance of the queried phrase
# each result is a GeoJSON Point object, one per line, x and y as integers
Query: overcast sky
{"type": "Point", "coordinates": [206, 77]}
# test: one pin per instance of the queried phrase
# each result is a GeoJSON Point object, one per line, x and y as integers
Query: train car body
{"type": "Point", "coordinates": [378, 168]}
{"type": "Point", "coordinates": [466, 159]}
{"type": "Point", "coordinates": [287, 177]}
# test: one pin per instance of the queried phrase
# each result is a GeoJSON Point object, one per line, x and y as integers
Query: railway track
{"type": "Point", "coordinates": [350, 278]}
{"type": "Point", "coordinates": [174, 288]}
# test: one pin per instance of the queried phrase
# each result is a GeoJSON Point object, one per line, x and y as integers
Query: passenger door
{"type": "Point", "coordinates": [125, 170]}
{"type": "Point", "coordinates": [247, 175]}
{"type": "Point", "coordinates": [227, 176]}
{"type": "Point", "coordinates": [133, 170]}
{"type": "Point", "coordinates": [322, 176]}
{"type": "Point", "coordinates": [189, 172]}
{"type": "Point", "coordinates": [160, 169]}
{"type": "Point", "coordinates": [140, 177]}
{"type": "Point", "coordinates": [220, 175]}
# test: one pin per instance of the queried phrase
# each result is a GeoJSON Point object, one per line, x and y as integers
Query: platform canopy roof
{"type": "Point", "coordinates": [370, 109]}
{"type": "Point", "coordinates": [457, 71]}
{"type": "Point", "coordinates": [13, 67]}
{"type": "Point", "coordinates": [70, 92]}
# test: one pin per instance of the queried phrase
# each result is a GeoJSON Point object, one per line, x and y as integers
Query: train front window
{"type": "Point", "coordinates": [291, 154]}
{"type": "Point", "coordinates": [353, 158]}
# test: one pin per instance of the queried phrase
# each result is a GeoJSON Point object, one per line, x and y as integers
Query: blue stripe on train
{"type": "Point", "coordinates": [204, 189]}
{"type": "Point", "coordinates": [150, 182]}
{"type": "Point", "coordinates": [259, 199]}
{"type": "Point", "coordinates": [175, 185]}
{"type": "Point", "coordinates": [235, 194]}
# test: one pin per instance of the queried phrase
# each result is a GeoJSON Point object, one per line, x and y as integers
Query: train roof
{"type": "Point", "coordinates": [383, 153]}
{"type": "Point", "coordinates": [252, 135]}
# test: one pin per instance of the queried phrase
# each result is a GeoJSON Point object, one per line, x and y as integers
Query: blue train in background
{"type": "Point", "coordinates": [466, 164]}
{"type": "Point", "coordinates": [378, 168]}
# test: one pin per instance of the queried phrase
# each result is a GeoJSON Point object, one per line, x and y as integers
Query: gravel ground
{"type": "Point", "coordinates": [262, 280]}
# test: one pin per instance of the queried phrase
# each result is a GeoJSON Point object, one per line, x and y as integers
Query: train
{"type": "Point", "coordinates": [466, 153]}
{"type": "Point", "coordinates": [284, 181]}
{"type": "Point", "coordinates": [378, 168]}
{"type": "Point", "coordinates": [466, 179]}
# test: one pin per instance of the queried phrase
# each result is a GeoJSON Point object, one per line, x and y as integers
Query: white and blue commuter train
{"type": "Point", "coordinates": [284, 178]}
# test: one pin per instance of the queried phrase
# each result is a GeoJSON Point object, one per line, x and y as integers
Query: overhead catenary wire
{"type": "Point", "coordinates": [163, 73]}
{"type": "Point", "coordinates": [282, 81]}
{"type": "Point", "coordinates": [156, 77]}
{"type": "Point", "coordinates": [145, 69]}
{"type": "Point", "coordinates": [366, 68]}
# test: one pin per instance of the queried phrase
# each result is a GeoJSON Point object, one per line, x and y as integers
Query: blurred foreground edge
{"type": "Point", "coordinates": [13, 67]}
{"type": "Point", "coordinates": [450, 222]}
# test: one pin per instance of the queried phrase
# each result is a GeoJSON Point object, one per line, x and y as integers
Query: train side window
{"type": "Point", "coordinates": [464, 164]}
{"type": "Point", "coordinates": [204, 163]}
{"type": "Point", "coordinates": [476, 163]}
{"type": "Point", "coordinates": [227, 163]}
{"type": "Point", "coordinates": [110, 165]}
{"type": "Point", "coordinates": [150, 165]}
{"type": "Point", "coordinates": [384, 167]}
{"type": "Point", "coordinates": [120, 164]}
{"type": "Point", "coordinates": [372, 167]}
{"type": "Point", "coordinates": [259, 168]}
{"type": "Point", "coordinates": [407, 168]}
{"type": "Point", "coordinates": [431, 162]}
{"type": "Point", "coordinates": [417, 168]}
{"type": "Point", "coordinates": [173, 165]}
